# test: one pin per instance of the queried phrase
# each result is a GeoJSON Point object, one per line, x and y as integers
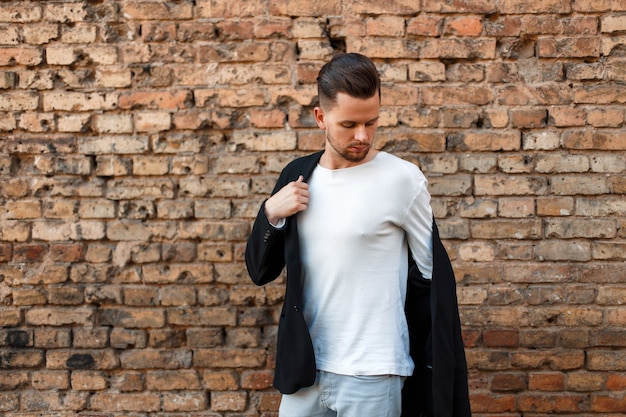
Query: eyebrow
{"type": "Point", "coordinates": [355, 122]}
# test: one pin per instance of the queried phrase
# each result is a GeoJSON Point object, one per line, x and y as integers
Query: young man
{"type": "Point", "coordinates": [348, 223]}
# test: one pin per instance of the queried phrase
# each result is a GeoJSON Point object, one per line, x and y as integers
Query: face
{"type": "Point", "coordinates": [350, 126]}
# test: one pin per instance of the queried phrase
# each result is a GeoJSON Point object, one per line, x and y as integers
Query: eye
{"type": "Point", "coordinates": [348, 125]}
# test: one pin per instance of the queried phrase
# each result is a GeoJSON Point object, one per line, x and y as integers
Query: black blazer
{"type": "Point", "coordinates": [438, 386]}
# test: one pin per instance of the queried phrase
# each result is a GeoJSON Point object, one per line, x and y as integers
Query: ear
{"type": "Point", "coordinates": [320, 117]}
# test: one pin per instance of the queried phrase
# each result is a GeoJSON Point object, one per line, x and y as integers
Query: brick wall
{"type": "Point", "coordinates": [139, 137]}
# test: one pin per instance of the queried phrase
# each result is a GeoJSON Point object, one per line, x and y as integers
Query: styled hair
{"type": "Point", "coordinates": [353, 74]}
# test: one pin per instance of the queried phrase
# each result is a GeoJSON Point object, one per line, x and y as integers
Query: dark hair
{"type": "Point", "coordinates": [352, 73]}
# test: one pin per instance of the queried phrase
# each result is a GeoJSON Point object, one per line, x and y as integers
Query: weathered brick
{"type": "Point", "coordinates": [591, 6]}
{"type": "Point", "coordinates": [498, 185]}
{"type": "Point", "coordinates": [172, 380]}
{"type": "Point", "coordinates": [605, 117]}
{"type": "Point", "coordinates": [611, 24]}
{"type": "Point", "coordinates": [269, 401]}
{"type": "Point", "coordinates": [569, 47]}
{"type": "Point", "coordinates": [593, 228]}
{"type": "Point", "coordinates": [591, 185]}
{"type": "Point", "coordinates": [520, 6]}
{"type": "Point", "coordinates": [545, 403]}
{"type": "Point", "coordinates": [439, 96]}
{"type": "Point", "coordinates": [424, 25]}
{"type": "Point", "coordinates": [563, 251]}
{"type": "Point", "coordinates": [125, 338]}
{"type": "Point", "coordinates": [229, 358]}
{"type": "Point", "coordinates": [462, 48]}
{"type": "Point", "coordinates": [516, 207]}
{"type": "Point", "coordinates": [140, 402]}
{"type": "Point", "coordinates": [229, 401]}
{"type": "Point", "coordinates": [515, 164]}
{"type": "Point", "coordinates": [20, 56]}
{"type": "Point", "coordinates": [113, 123]}
{"type": "Point", "coordinates": [159, 358]}
{"type": "Point", "coordinates": [185, 401]}
{"type": "Point", "coordinates": [220, 380]}
{"type": "Point", "coordinates": [606, 93]}
{"type": "Point", "coordinates": [75, 101]}
{"type": "Point", "coordinates": [20, 12]}
{"type": "Point", "coordinates": [131, 318]}
{"type": "Point", "coordinates": [178, 296]}
{"type": "Point", "coordinates": [209, 317]}
{"type": "Point", "coordinates": [88, 381]}
{"type": "Point", "coordinates": [562, 163]}
{"type": "Point", "coordinates": [556, 360]}
{"type": "Point", "coordinates": [156, 11]}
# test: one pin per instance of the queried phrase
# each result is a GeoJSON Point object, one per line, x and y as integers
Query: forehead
{"type": "Point", "coordinates": [351, 108]}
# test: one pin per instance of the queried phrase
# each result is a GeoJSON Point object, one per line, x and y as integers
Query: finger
{"type": "Point", "coordinates": [300, 179]}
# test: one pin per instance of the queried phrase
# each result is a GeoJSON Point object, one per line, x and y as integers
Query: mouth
{"type": "Point", "coordinates": [358, 148]}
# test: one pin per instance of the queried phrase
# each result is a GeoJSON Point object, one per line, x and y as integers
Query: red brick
{"type": "Point", "coordinates": [513, 382]}
{"type": "Point", "coordinates": [608, 404]}
{"type": "Point", "coordinates": [546, 381]}
{"type": "Point", "coordinates": [500, 338]}
{"type": "Point", "coordinates": [492, 403]}
{"type": "Point", "coordinates": [529, 119]}
{"type": "Point", "coordinates": [257, 380]}
{"type": "Point", "coordinates": [29, 253]}
{"type": "Point", "coordinates": [616, 382]}
{"type": "Point", "coordinates": [269, 401]}
{"type": "Point", "coordinates": [464, 26]}
{"type": "Point", "coordinates": [425, 25]}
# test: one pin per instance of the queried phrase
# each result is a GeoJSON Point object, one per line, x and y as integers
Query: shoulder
{"type": "Point", "coordinates": [304, 161]}
{"type": "Point", "coordinates": [303, 165]}
{"type": "Point", "coordinates": [401, 167]}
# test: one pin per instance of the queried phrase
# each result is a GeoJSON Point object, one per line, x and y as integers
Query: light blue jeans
{"type": "Point", "coordinates": [334, 395]}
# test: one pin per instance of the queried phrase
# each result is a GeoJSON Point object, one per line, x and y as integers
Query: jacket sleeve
{"type": "Point", "coordinates": [266, 250]}
{"type": "Point", "coordinates": [450, 375]}
{"type": "Point", "coordinates": [265, 254]}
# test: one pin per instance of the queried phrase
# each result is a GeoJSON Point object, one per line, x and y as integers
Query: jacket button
{"type": "Point", "coordinates": [295, 307]}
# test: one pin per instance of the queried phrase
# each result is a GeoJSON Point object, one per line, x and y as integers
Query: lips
{"type": "Point", "coordinates": [358, 148]}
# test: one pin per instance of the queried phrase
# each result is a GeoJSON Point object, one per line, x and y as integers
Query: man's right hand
{"type": "Point", "coordinates": [289, 200]}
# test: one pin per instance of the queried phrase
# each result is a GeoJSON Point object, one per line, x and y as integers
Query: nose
{"type": "Point", "coordinates": [360, 134]}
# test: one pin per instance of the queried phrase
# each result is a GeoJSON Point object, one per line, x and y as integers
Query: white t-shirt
{"type": "Point", "coordinates": [353, 238]}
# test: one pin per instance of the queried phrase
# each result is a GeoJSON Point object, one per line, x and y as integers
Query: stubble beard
{"type": "Point", "coordinates": [345, 154]}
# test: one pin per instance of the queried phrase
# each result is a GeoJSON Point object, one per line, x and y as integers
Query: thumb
{"type": "Point", "coordinates": [300, 179]}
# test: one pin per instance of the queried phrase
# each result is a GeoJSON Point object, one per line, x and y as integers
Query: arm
{"type": "Point", "coordinates": [265, 248]}
{"type": "Point", "coordinates": [419, 230]}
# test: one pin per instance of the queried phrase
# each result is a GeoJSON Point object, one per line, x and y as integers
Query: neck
{"type": "Point", "coordinates": [330, 160]}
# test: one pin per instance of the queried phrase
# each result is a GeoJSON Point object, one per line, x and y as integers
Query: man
{"type": "Point", "coordinates": [349, 223]}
